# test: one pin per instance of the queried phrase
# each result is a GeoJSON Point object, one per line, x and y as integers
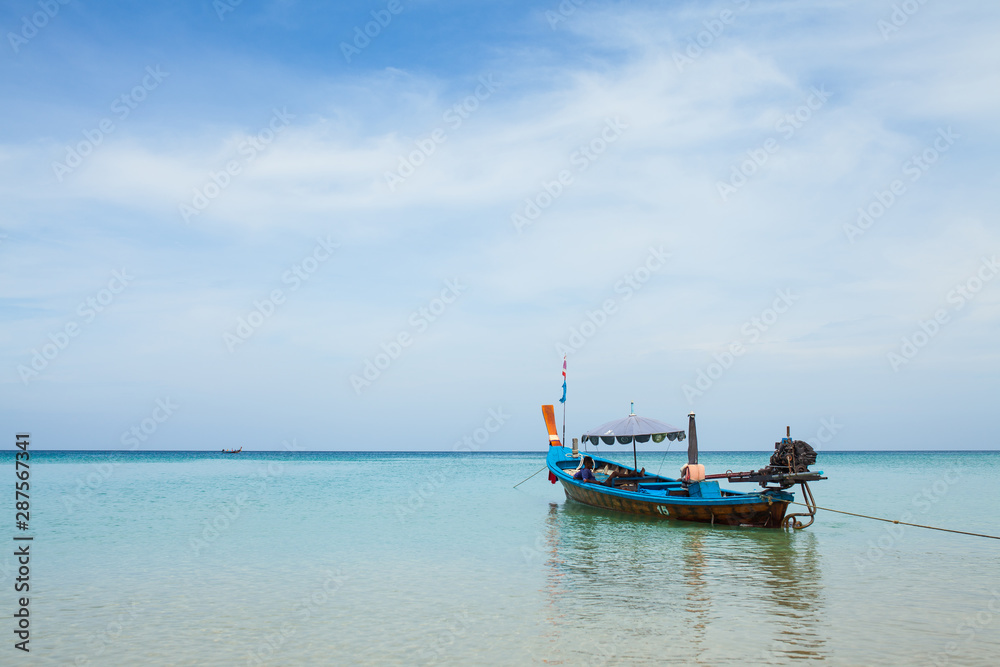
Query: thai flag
{"type": "Point", "coordinates": [563, 399]}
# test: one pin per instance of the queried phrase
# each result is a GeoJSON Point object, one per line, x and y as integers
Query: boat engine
{"type": "Point", "coordinates": [791, 456]}
{"type": "Point", "coordinates": [789, 465]}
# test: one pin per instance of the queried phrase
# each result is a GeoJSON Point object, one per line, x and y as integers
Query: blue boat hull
{"type": "Point", "coordinates": [667, 498]}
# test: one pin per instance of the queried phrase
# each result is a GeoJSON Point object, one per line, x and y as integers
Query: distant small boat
{"type": "Point", "coordinates": [695, 496]}
{"type": "Point", "coordinates": [232, 451]}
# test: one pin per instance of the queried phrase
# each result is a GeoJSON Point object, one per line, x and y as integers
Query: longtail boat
{"type": "Point", "coordinates": [694, 496]}
{"type": "Point", "coordinates": [232, 451]}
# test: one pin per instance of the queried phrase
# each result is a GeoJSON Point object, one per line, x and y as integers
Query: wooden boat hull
{"type": "Point", "coordinates": [761, 514]}
{"type": "Point", "coordinates": [764, 509]}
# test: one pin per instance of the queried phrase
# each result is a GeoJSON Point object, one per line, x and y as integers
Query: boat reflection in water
{"type": "Point", "coordinates": [672, 592]}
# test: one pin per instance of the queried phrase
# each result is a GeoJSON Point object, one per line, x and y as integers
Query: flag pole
{"type": "Point", "coordinates": [564, 425]}
{"type": "Point", "coordinates": [563, 401]}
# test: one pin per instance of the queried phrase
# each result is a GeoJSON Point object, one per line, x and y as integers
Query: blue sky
{"type": "Point", "coordinates": [670, 195]}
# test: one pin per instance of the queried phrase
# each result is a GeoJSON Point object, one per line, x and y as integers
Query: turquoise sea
{"type": "Point", "coordinates": [195, 558]}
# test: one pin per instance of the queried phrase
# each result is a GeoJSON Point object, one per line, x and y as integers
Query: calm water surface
{"type": "Point", "coordinates": [392, 558]}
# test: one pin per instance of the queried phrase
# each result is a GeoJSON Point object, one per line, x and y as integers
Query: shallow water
{"type": "Point", "coordinates": [401, 558]}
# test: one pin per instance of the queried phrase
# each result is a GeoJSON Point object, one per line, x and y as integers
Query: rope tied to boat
{"type": "Point", "coordinates": [896, 521]}
{"type": "Point", "coordinates": [530, 476]}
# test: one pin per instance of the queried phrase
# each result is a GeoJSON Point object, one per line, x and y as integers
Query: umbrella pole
{"type": "Point", "coordinates": [635, 460]}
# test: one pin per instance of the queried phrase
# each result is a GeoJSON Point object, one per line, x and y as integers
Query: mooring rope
{"type": "Point", "coordinates": [529, 476]}
{"type": "Point", "coordinates": [903, 523]}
